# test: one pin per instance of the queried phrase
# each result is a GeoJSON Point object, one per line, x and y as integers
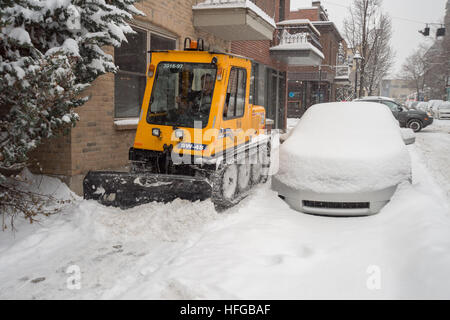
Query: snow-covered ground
{"type": "Point", "coordinates": [259, 249]}
{"type": "Point", "coordinates": [434, 144]}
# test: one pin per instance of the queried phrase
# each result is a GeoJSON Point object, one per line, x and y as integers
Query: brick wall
{"type": "Point", "coordinates": [53, 157]}
{"type": "Point", "coordinates": [311, 14]}
{"type": "Point", "coordinates": [257, 50]}
{"type": "Point", "coordinates": [260, 50]}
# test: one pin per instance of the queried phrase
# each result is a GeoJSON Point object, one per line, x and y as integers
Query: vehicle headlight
{"type": "Point", "coordinates": [156, 132]}
{"type": "Point", "coordinates": [429, 114]}
{"type": "Point", "coordinates": [179, 134]}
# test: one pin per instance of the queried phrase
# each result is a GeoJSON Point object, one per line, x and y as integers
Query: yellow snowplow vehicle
{"type": "Point", "coordinates": [198, 136]}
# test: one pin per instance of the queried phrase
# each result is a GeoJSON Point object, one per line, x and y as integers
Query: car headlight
{"type": "Point", "coordinates": [429, 114]}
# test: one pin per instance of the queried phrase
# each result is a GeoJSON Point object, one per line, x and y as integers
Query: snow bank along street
{"type": "Point", "coordinates": [259, 249]}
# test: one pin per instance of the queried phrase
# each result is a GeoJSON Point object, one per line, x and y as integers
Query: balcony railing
{"type": "Point", "coordinates": [297, 46]}
{"type": "Point", "coordinates": [296, 35]}
{"type": "Point", "coordinates": [343, 72]}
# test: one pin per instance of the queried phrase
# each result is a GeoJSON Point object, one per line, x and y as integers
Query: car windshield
{"type": "Point", "coordinates": [182, 94]}
{"type": "Point", "coordinates": [392, 105]}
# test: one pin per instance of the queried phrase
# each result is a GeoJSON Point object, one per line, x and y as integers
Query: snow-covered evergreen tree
{"type": "Point", "coordinates": [50, 50]}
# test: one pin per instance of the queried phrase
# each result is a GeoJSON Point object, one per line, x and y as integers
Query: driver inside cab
{"type": "Point", "coordinates": [197, 102]}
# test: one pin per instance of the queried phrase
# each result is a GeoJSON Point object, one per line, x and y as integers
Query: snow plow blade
{"type": "Point", "coordinates": [127, 190]}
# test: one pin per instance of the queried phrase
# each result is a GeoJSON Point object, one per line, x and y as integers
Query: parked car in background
{"type": "Point", "coordinates": [443, 111]}
{"type": "Point", "coordinates": [433, 105]}
{"type": "Point", "coordinates": [337, 163]}
{"type": "Point", "coordinates": [413, 119]}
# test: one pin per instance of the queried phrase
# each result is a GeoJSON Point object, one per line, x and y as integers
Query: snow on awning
{"type": "Point", "coordinates": [234, 20]}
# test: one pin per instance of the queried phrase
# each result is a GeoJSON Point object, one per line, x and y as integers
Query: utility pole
{"type": "Point", "coordinates": [320, 81]}
{"type": "Point", "coordinates": [357, 58]}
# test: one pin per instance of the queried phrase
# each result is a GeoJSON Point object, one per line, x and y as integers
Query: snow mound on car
{"type": "Point", "coordinates": [345, 147]}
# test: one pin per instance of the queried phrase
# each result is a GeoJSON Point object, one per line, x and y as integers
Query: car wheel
{"type": "Point", "coordinates": [415, 125]}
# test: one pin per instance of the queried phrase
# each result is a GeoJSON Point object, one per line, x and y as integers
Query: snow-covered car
{"type": "Point", "coordinates": [335, 162]}
{"type": "Point", "coordinates": [422, 106]}
{"type": "Point", "coordinates": [433, 105]}
{"type": "Point", "coordinates": [443, 111]}
{"type": "Point", "coordinates": [411, 104]}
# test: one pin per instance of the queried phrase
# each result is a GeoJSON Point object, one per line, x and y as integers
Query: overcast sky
{"type": "Point", "coordinates": [408, 16]}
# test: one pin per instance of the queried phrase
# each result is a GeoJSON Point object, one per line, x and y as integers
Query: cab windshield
{"type": "Point", "coordinates": [182, 94]}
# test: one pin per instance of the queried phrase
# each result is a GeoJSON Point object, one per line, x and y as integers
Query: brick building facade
{"type": "Point", "coordinates": [308, 85]}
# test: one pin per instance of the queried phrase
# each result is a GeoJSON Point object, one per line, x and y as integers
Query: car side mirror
{"type": "Point", "coordinates": [401, 109]}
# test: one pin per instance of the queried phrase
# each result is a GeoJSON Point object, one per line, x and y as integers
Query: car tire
{"type": "Point", "coordinates": [415, 125]}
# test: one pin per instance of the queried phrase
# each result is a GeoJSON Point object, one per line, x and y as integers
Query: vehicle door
{"type": "Point", "coordinates": [234, 124]}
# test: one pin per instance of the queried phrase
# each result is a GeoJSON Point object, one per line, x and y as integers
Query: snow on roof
{"type": "Point", "coordinates": [377, 97]}
{"type": "Point", "coordinates": [299, 21]}
{"type": "Point", "coordinates": [298, 46]}
{"type": "Point", "coordinates": [219, 4]}
{"type": "Point", "coordinates": [330, 23]}
{"type": "Point", "coordinates": [335, 149]}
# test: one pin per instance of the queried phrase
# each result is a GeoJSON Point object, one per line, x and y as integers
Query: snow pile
{"type": "Point", "coordinates": [345, 147]}
{"type": "Point", "coordinates": [45, 185]}
{"type": "Point", "coordinates": [155, 221]}
{"type": "Point", "coordinates": [408, 135]}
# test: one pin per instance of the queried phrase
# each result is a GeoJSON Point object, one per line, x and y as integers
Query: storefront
{"type": "Point", "coordinates": [302, 94]}
{"type": "Point", "coordinates": [268, 89]}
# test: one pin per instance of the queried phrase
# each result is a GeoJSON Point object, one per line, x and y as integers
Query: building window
{"type": "Point", "coordinates": [254, 84]}
{"type": "Point", "coordinates": [130, 80]}
{"type": "Point", "coordinates": [235, 100]}
{"type": "Point", "coordinates": [282, 10]}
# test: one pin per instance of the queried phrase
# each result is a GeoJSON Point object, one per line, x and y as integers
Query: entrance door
{"type": "Point", "coordinates": [276, 97]}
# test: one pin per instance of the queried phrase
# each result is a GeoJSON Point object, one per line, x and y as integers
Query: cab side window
{"type": "Point", "coordinates": [235, 99]}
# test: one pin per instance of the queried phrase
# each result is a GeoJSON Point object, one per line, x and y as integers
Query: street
{"type": "Point", "coordinates": [260, 249]}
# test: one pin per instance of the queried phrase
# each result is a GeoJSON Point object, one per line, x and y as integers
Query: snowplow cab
{"type": "Point", "coordinates": [196, 103]}
{"type": "Point", "coordinates": [198, 136]}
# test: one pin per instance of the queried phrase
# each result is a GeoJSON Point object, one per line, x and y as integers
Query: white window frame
{"type": "Point", "coordinates": [149, 30]}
